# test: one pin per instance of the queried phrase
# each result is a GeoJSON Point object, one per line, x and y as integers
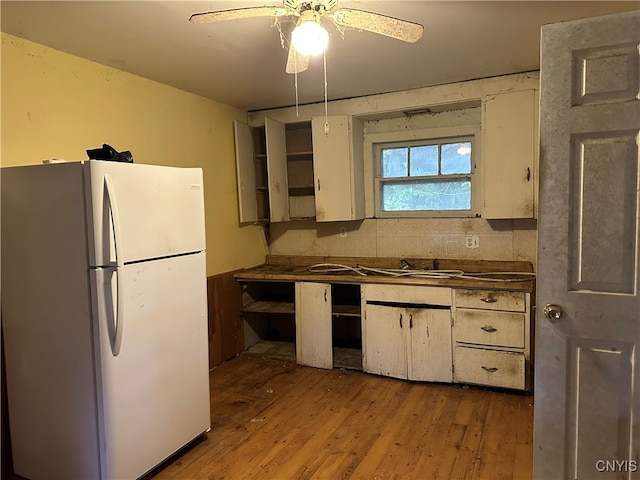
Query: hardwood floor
{"type": "Point", "coordinates": [273, 419]}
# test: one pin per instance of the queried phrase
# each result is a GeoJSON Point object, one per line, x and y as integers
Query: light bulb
{"type": "Point", "coordinates": [309, 37]}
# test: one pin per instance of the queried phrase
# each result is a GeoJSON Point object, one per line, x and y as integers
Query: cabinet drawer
{"type": "Point", "coordinates": [489, 367]}
{"type": "Point", "coordinates": [489, 328]}
{"type": "Point", "coordinates": [490, 300]}
{"type": "Point", "coordinates": [407, 294]}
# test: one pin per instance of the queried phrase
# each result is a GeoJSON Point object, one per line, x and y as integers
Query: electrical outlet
{"type": "Point", "coordinates": [472, 241]}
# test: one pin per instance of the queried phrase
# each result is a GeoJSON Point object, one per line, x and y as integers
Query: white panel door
{"type": "Point", "coordinates": [277, 170]}
{"type": "Point", "coordinates": [587, 380]}
{"type": "Point", "coordinates": [430, 355]}
{"type": "Point", "coordinates": [245, 173]}
{"type": "Point", "coordinates": [146, 211]}
{"type": "Point", "coordinates": [385, 340]}
{"type": "Point", "coordinates": [509, 155]}
{"type": "Point", "coordinates": [154, 394]}
{"type": "Point", "coordinates": [314, 345]}
{"type": "Point", "coordinates": [333, 168]}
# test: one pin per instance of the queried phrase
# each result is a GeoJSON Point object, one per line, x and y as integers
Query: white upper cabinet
{"type": "Point", "coordinates": [300, 170]}
{"type": "Point", "coordinates": [261, 169]}
{"type": "Point", "coordinates": [338, 168]}
{"type": "Point", "coordinates": [277, 170]}
{"type": "Point", "coordinates": [509, 155]}
{"type": "Point", "coordinates": [246, 173]}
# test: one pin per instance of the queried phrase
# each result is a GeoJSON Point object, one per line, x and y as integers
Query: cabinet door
{"type": "Point", "coordinates": [509, 155]}
{"type": "Point", "coordinates": [313, 325]}
{"type": "Point", "coordinates": [246, 173]}
{"type": "Point", "coordinates": [430, 355]}
{"type": "Point", "coordinates": [384, 341]}
{"type": "Point", "coordinates": [338, 168]}
{"type": "Point", "coordinates": [277, 170]}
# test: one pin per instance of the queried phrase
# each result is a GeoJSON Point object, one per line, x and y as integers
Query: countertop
{"type": "Point", "coordinates": [474, 274]}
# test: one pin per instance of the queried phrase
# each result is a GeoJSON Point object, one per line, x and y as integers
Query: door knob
{"type": "Point", "coordinates": [553, 312]}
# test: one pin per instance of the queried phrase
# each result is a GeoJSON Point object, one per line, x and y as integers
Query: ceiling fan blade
{"type": "Point", "coordinates": [376, 23]}
{"type": "Point", "coordinates": [249, 12]}
{"type": "Point", "coordinates": [296, 62]}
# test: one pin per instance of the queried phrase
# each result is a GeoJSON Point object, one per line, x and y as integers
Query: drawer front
{"type": "Point", "coordinates": [407, 294]}
{"type": "Point", "coordinates": [490, 300]}
{"type": "Point", "coordinates": [500, 329]}
{"type": "Point", "coordinates": [489, 367]}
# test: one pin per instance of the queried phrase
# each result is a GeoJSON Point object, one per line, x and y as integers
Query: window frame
{"type": "Point", "coordinates": [471, 136]}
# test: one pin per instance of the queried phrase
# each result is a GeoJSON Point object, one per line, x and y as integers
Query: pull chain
{"type": "Point", "coordinates": [326, 109]}
{"type": "Point", "coordinates": [295, 67]}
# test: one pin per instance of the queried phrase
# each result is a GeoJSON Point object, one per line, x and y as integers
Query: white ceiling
{"type": "Point", "coordinates": [241, 62]}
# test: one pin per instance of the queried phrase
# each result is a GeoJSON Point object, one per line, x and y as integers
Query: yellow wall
{"type": "Point", "coordinates": [55, 105]}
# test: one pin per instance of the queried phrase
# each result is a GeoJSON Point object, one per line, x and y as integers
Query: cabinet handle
{"type": "Point", "coordinates": [528, 174]}
{"type": "Point", "coordinates": [490, 369]}
{"type": "Point", "coordinates": [411, 320]}
{"type": "Point", "coordinates": [400, 320]}
{"type": "Point", "coordinates": [489, 329]}
{"type": "Point", "coordinates": [489, 299]}
{"type": "Point", "coordinates": [325, 295]}
{"type": "Point", "coordinates": [318, 184]}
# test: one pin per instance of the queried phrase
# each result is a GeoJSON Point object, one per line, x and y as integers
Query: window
{"type": "Point", "coordinates": [426, 178]}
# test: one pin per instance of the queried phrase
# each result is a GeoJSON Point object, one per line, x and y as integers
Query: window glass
{"type": "Point", "coordinates": [424, 160]}
{"type": "Point", "coordinates": [456, 158]}
{"type": "Point", "coordinates": [395, 162]}
{"type": "Point", "coordinates": [427, 195]}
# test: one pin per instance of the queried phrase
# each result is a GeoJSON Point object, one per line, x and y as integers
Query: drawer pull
{"type": "Point", "coordinates": [489, 329]}
{"type": "Point", "coordinates": [489, 300]}
{"type": "Point", "coordinates": [490, 369]}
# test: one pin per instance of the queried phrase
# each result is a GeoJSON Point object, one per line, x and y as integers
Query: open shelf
{"type": "Point", "coordinates": [263, 306]}
{"type": "Point", "coordinates": [346, 311]}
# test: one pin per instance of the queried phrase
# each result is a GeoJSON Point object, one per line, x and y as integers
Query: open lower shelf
{"type": "Point", "coordinates": [262, 306]}
{"type": "Point", "coordinates": [348, 358]}
{"type": "Point", "coordinates": [346, 311]}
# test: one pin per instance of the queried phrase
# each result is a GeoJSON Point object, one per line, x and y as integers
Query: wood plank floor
{"type": "Point", "coordinates": [273, 419]}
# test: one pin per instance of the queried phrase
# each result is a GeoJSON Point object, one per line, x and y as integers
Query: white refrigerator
{"type": "Point", "coordinates": [104, 316]}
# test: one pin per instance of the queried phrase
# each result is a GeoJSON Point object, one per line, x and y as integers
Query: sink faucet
{"type": "Point", "coordinates": [404, 265]}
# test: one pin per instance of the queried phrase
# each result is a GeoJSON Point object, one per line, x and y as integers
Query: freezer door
{"type": "Point", "coordinates": [154, 394]}
{"type": "Point", "coordinates": [137, 212]}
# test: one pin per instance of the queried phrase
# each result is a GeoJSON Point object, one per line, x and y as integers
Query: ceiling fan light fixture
{"type": "Point", "coordinates": [309, 37]}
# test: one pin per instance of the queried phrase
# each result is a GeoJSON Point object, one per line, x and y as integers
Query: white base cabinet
{"type": "Point", "coordinates": [438, 334]}
{"type": "Point", "coordinates": [430, 345]}
{"type": "Point", "coordinates": [489, 367]}
{"type": "Point", "coordinates": [407, 340]}
{"type": "Point", "coordinates": [313, 325]}
{"type": "Point", "coordinates": [491, 334]}
{"type": "Point", "coordinates": [384, 341]}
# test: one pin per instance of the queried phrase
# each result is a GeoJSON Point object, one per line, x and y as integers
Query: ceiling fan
{"type": "Point", "coordinates": [309, 37]}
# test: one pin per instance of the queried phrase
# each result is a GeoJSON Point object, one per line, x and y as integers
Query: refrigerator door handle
{"type": "Point", "coordinates": [115, 329]}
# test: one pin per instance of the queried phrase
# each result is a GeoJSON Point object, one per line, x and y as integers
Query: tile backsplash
{"type": "Point", "coordinates": [424, 237]}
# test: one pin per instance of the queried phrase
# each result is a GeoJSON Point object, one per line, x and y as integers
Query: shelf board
{"type": "Point", "coordinates": [300, 155]}
{"type": "Point", "coordinates": [300, 187]}
{"type": "Point", "coordinates": [262, 306]}
{"type": "Point", "coordinates": [346, 311]}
